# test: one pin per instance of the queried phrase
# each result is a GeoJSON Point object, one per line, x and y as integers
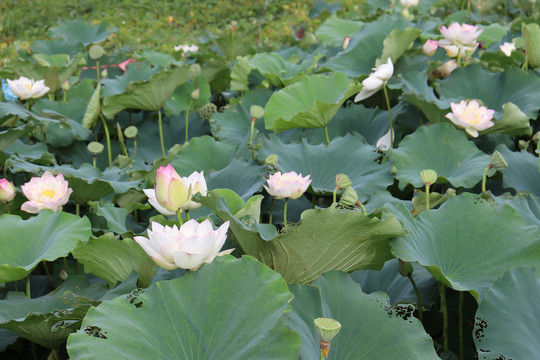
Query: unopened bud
{"type": "Point", "coordinates": [523, 145]}
{"type": "Point", "coordinates": [349, 197]}
{"type": "Point", "coordinates": [428, 177]}
{"type": "Point", "coordinates": [256, 111]}
{"type": "Point", "coordinates": [96, 52]}
{"type": "Point", "coordinates": [265, 83]}
{"type": "Point", "coordinates": [207, 111]}
{"type": "Point", "coordinates": [343, 181]}
{"type": "Point", "coordinates": [130, 132]}
{"type": "Point", "coordinates": [63, 274]}
{"type": "Point", "coordinates": [346, 42]}
{"type": "Point", "coordinates": [498, 161]}
{"type": "Point", "coordinates": [327, 328]}
{"type": "Point", "coordinates": [393, 170]}
{"type": "Point", "coordinates": [405, 268]}
{"type": "Point", "coordinates": [104, 73]}
{"type": "Point", "coordinates": [271, 160]}
{"type": "Point", "coordinates": [95, 148]}
{"type": "Point", "coordinates": [65, 85]}
{"type": "Point", "coordinates": [195, 94]}
{"type": "Point", "coordinates": [7, 190]}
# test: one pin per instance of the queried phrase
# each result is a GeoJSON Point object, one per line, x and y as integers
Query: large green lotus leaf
{"type": "Point", "coordinates": [7, 137]}
{"type": "Point", "coordinates": [348, 155]}
{"type": "Point", "coordinates": [467, 242]}
{"type": "Point", "coordinates": [371, 328]}
{"type": "Point", "coordinates": [417, 92]}
{"type": "Point", "coordinates": [397, 287]}
{"type": "Point", "coordinates": [37, 152]}
{"type": "Point", "coordinates": [365, 47]}
{"type": "Point", "coordinates": [72, 109]}
{"type": "Point", "coordinates": [507, 325]}
{"type": "Point", "coordinates": [50, 319]}
{"type": "Point", "coordinates": [443, 148]}
{"type": "Point", "coordinates": [492, 33]}
{"type": "Point", "coordinates": [82, 31]}
{"type": "Point", "coordinates": [281, 72]}
{"type": "Point", "coordinates": [522, 172]}
{"type": "Point", "coordinates": [195, 317]}
{"type": "Point", "coordinates": [513, 122]}
{"type": "Point", "coordinates": [57, 46]}
{"type": "Point", "coordinates": [146, 95]}
{"type": "Point", "coordinates": [136, 72]}
{"type": "Point", "coordinates": [113, 260]}
{"type": "Point", "coordinates": [396, 43]}
{"type": "Point", "coordinates": [526, 204]}
{"type": "Point", "coordinates": [240, 74]}
{"type": "Point", "coordinates": [11, 109]}
{"type": "Point", "coordinates": [513, 85]}
{"type": "Point", "coordinates": [325, 240]}
{"type": "Point", "coordinates": [181, 100]}
{"type": "Point", "coordinates": [47, 236]}
{"type": "Point", "coordinates": [115, 217]}
{"type": "Point", "coordinates": [312, 102]}
{"type": "Point", "coordinates": [7, 337]}
{"type": "Point", "coordinates": [241, 176]}
{"type": "Point", "coordinates": [334, 30]}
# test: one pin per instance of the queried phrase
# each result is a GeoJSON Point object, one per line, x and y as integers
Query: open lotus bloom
{"type": "Point", "coordinates": [186, 48]}
{"type": "Point", "coordinates": [172, 191]}
{"type": "Point", "coordinates": [289, 185]}
{"type": "Point", "coordinates": [45, 192]}
{"type": "Point", "coordinates": [459, 39]}
{"type": "Point", "coordinates": [471, 116]}
{"type": "Point", "coordinates": [25, 88]}
{"type": "Point", "coordinates": [7, 190]}
{"type": "Point", "coordinates": [409, 3]}
{"type": "Point", "coordinates": [376, 80]}
{"type": "Point", "coordinates": [187, 247]}
{"type": "Point", "coordinates": [507, 48]}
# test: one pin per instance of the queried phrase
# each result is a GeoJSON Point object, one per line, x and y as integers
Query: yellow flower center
{"type": "Point", "coordinates": [48, 193]}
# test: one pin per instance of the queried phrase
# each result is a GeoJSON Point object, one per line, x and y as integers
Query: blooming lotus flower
{"type": "Point", "coordinates": [289, 185]}
{"type": "Point", "coordinates": [26, 88]}
{"type": "Point", "coordinates": [186, 48]}
{"type": "Point", "coordinates": [7, 190]}
{"type": "Point", "coordinates": [187, 247]}
{"type": "Point", "coordinates": [458, 39]}
{"type": "Point", "coordinates": [45, 192]}
{"type": "Point", "coordinates": [446, 69]}
{"type": "Point", "coordinates": [376, 80]}
{"type": "Point", "coordinates": [172, 191]}
{"type": "Point", "coordinates": [471, 116]}
{"type": "Point", "coordinates": [430, 47]}
{"type": "Point", "coordinates": [409, 3]}
{"type": "Point", "coordinates": [507, 48]}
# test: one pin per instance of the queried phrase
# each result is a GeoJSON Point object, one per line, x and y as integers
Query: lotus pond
{"type": "Point", "coordinates": [366, 190]}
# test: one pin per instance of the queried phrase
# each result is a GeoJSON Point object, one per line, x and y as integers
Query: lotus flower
{"type": "Point", "coordinates": [446, 69]}
{"type": "Point", "coordinates": [187, 247]}
{"type": "Point", "coordinates": [26, 88]}
{"type": "Point", "coordinates": [289, 185]}
{"type": "Point", "coordinates": [376, 80]}
{"type": "Point", "coordinates": [507, 48]}
{"type": "Point", "coordinates": [458, 39]}
{"type": "Point", "coordinates": [45, 192]}
{"type": "Point", "coordinates": [471, 116]}
{"type": "Point", "coordinates": [430, 47]}
{"type": "Point", "coordinates": [409, 3]}
{"type": "Point", "coordinates": [7, 190]}
{"type": "Point", "coordinates": [186, 48]}
{"type": "Point", "coordinates": [172, 191]}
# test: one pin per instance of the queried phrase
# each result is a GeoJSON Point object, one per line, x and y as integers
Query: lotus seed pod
{"type": "Point", "coordinates": [207, 111]}
{"type": "Point", "coordinates": [95, 148]}
{"type": "Point", "coordinates": [195, 70]}
{"type": "Point", "coordinates": [349, 197]}
{"type": "Point", "coordinates": [130, 132]}
{"type": "Point", "coordinates": [498, 161]}
{"type": "Point", "coordinates": [271, 160]}
{"type": "Point", "coordinates": [96, 52]}
{"type": "Point", "coordinates": [428, 176]}
{"type": "Point", "coordinates": [405, 268]}
{"type": "Point", "coordinates": [327, 328]}
{"type": "Point", "coordinates": [343, 181]}
{"type": "Point", "coordinates": [195, 94]}
{"type": "Point", "coordinates": [256, 111]}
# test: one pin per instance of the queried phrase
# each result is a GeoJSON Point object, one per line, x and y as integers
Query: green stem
{"type": "Point", "coordinates": [461, 325]}
{"type": "Point", "coordinates": [134, 147]}
{"type": "Point", "coordinates": [78, 209]}
{"type": "Point", "coordinates": [97, 70]}
{"type": "Point", "coordinates": [271, 211]}
{"type": "Point", "coordinates": [444, 310]}
{"type": "Point", "coordinates": [28, 293]}
{"type": "Point", "coordinates": [187, 215]}
{"type": "Point", "coordinates": [427, 195]}
{"type": "Point", "coordinates": [389, 115]}
{"type": "Point", "coordinates": [363, 208]}
{"type": "Point", "coordinates": [179, 216]}
{"type": "Point", "coordinates": [46, 270]}
{"type": "Point", "coordinates": [326, 134]}
{"type": "Point", "coordinates": [285, 212]}
{"type": "Point", "coordinates": [54, 355]}
{"type": "Point", "coordinates": [94, 160]}
{"type": "Point", "coordinates": [458, 62]}
{"type": "Point", "coordinates": [251, 137]}
{"type": "Point", "coordinates": [161, 133]}
{"type": "Point", "coordinates": [108, 137]}
{"type": "Point", "coordinates": [484, 177]}
{"type": "Point", "coordinates": [334, 195]}
{"type": "Point", "coordinates": [65, 96]}
{"type": "Point", "coordinates": [16, 286]}
{"type": "Point", "coordinates": [420, 307]}
{"type": "Point", "coordinates": [187, 120]}
{"type": "Point", "coordinates": [27, 105]}
{"type": "Point", "coordinates": [322, 356]}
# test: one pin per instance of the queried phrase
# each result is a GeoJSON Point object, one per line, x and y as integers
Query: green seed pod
{"type": "Point", "coordinates": [130, 132]}
{"type": "Point", "coordinates": [96, 52]}
{"type": "Point", "coordinates": [327, 328]}
{"type": "Point", "coordinates": [498, 161]}
{"type": "Point", "coordinates": [95, 148]}
{"type": "Point", "coordinates": [349, 197]}
{"type": "Point", "coordinates": [271, 160]}
{"type": "Point", "coordinates": [195, 70]}
{"type": "Point", "coordinates": [343, 181]}
{"type": "Point", "coordinates": [207, 111]}
{"type": "Point", "coordinates": [256, 112]}
{"type": "Point", "coordinates": [428, 176]}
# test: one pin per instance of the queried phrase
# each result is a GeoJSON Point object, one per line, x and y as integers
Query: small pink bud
{"type": "Point", "coordinates": [7, 190]}
{"type": "Point", "coordinates": [430, 47]}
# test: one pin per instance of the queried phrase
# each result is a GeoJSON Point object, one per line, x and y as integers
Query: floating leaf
{"type": "Point", "coordinates": [334, 30]}
{"type": "Point", "coordinates": [115, 217]}
{"type": "Point", "coordinates": [522, 172]}
{"type": "Point", "coordinates": [396, 43]}
{"type": "Point", "coordinates": [281, 72]}
{"type": "Point", "coordinates": [81, 31]}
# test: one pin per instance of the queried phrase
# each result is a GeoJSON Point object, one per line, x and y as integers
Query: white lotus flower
{"type": "Point", "coordinates": [186, 48]}
{"type": "Point", "coordinates": [376, 80]}
{"type": "Point", "coordinates": [25, 88]}
{"type": "Point", "coordinates": [459, 39]}
{"type": "Point", "coordinates": [471, 116]}
{"type": "Point", "coordinates": [507, 48]}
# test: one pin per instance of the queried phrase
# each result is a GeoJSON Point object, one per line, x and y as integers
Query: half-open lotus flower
{"type": "Point", "coordinates": [172, 191]}
{"type": "Point", "coordinates": [289, 185]}
{"type": "Point", "coordinates": [187, 247]}
{"type": "Point", "coordinates": [7, 190]}
{"type": "Point", "coordinates": [376, 80]}
{"type": "Point", "coordinates": [471, 116]}
{"type": "Point", "coordinates": [45, 192]}
{"type": "Point", "coordinates": [26, 88]}
{"type": "Point", "coordinates": [459, 39]}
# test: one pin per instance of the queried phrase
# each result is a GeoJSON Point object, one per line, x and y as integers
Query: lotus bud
{"type": "Point", "coordinates": [96, 52]}
{"type": "Point", "coordinates": [207, 111]}
{"type": "Point", "coordinates": [65, 85]}
{"type": "Point", "coordinates": [535, 137]}
{"type": "Point", "coordinates": [271, 160]}
{"type": "Point", "coordinates": [430, 47]}
{"type": "Point", "coordinates": [95, 148]}
{"type": "Point", "coordinates": [428, 177]}
{"type": "Point", "coordinates": [346, 42]}
{"type": "Point", "coordinates": [104, 73]}
{"type": "Point", "coordinates": [63, 274]}
{"type": "Point", "coordinates": [130, 132]}
{"type": "Point", "coordinates": [523, 145]}
{"type": "Point", "coordinates": [349, 197]}
{"type": "Point", "coordinates": [172, 191]}
{"type": "Point", "coordinates": [7, 190]}
{"type": "Point", "coordinates": [195, 70]}
{"type": "Point", "coordinates": [343, 181]}
{"type": "Point", "coordinates": [256, 111]}
{"type": "Point", "coordinates": [195, 94]}
{"type": "Point", "coordinates": [265, 83]}
{"type": "Point", "coordinates": [405, 268]}
{"type": "Point", "coordinates": [498, 161]}
{"type": "Point", "coordinates": [393, 170]}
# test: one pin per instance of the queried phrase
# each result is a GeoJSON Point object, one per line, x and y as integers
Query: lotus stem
{"type": "Point", "coordinates": [187, 120]}
{"type": "Point", "coordinates": [16, 286]}
{"type": "Point", "coordinates": [179, 216]}
{"type": "Point", "coordinates": [27, 105]}
{"type": "Point", "coordinates": [271, 211]}
{"type": "Point", "coordinates": [484, 177]}
{"type": "Point", "coordinates": [458, 62]}
{"type": "Point", "coordinates": [362, 206]}
{"type": "Point", "coordinates": [253, 119]}
{"type": "Point", "coordinates": [46, 270]}
{"type": "Point", "coordinates": [389, 115]}
{"type": "Point", "coordinates": [427, 195]}
{"type": "Point", "coordinates": [420, 307]}
{"type": "Point", "coordinates": [77, 209]}
{"type": "Point", "coordinates": [134, 146]}
{"type": "Point", "coordinates": [444, 310]}
{"type": "Point", "coordinates": [285, 212]}
{"type": "Point", "coordinates": [97, 71]}
{"type": "Point", "coordinates": [161, 133]}
{"type": "Point", "coordinates": [28, 293]}
{"type": "Point", "coordinates": [326, 134]}
{"type": "Point", "coordinates": [334, 195]}
{"type": "Point", "coordinates": [461, 325]}
{"type": "Point", "coordinates": [108, 137]}
{"type": "Point", "coordinates": [187, 215]}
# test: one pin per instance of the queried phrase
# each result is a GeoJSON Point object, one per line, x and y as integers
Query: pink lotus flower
{"type": "Point", "coordinates": [26, 88]}
{"type": "Point", "coordinates": [172, 191]}
{"type": "Point", "coordinates": [7, 190]}
{"type": "Point", "coordinates": [471, 116]}
{"type": "Point", "coordinates": [458, 39]}
{"type": "Point", "coordinates": [187, 247]}
{"type": "Point", "coordinates": [430, 47]}
{"type": "Point", "coordinates": [45, 192]}
{"type": "Point", "coordinates": [289, 185]}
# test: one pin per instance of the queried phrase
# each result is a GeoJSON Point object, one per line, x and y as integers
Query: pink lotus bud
{"type": "Point", "coordinates": [471, 116]}
{"type": "Point", "coordinates": [430, 47]}
{"type": "Point", "coordinates": [46, 192]}
{"type": "Point", "coordinates": [7, 190]}
{"type": "Point", "coordinates": [346, 42]}
{"type": "Point", "coordinates": [289, 185]}
{"type": "Point", "coordinates": [446, 69]}
{"type": "Point", "coordinates": [172, 191]}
